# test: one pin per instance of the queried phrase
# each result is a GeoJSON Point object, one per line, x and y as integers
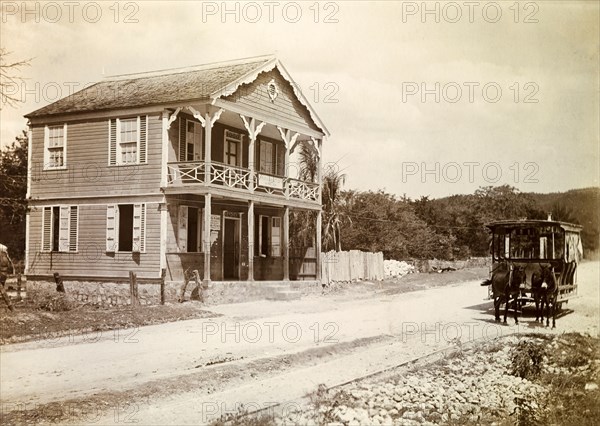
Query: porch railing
{"type": "Point", "coordinates": [231, 176]}
{"type": "Point", "coordinates": [193, 172]}
{"type": "Point", "coordinates": [302, 190]}
{"type": "Point", "coordinates": [185, 172]}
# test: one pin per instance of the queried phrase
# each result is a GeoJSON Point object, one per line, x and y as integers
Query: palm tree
{"type": "Point", "coordinates": [563, 213]}
{"type": "Point", "coordinates": [333, 217]}
{"type": "Point", "coordinates": [309, 162]}
{"type": "Point", "coordinates": [303, 223]}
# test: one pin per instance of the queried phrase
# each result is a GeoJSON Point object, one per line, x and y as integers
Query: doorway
{"type": "Point", "coordinates": [231, 248]}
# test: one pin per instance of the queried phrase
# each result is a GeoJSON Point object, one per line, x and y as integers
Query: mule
{"type": "Point", "coordinates": [545, 293]}
{"type": "Point", "coordinates": [506, 282]}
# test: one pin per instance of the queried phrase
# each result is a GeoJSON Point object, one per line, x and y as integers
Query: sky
{"type": "Point", "coordinates": [421, 98]}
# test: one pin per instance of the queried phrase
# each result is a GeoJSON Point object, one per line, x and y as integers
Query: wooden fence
{"type": "Point", "coordinates": [351, 265]}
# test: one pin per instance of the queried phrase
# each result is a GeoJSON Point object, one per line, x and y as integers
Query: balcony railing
{"type": "Point", "coordinates": [194, 173]}
{"type": "Point", "coordinates": [231, 176]}
{"type": "Point", "coordinates": [185, 172]}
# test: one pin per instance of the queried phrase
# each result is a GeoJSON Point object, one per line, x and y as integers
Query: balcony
{"type": "Point", "coordinates": [191, 173]}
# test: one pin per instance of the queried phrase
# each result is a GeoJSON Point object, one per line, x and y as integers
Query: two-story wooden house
{"type": "Point", "coordinates": [177, 170]}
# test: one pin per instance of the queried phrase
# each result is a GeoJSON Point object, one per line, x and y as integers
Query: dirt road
{"type": "Point", "coordinates": [411, 324]}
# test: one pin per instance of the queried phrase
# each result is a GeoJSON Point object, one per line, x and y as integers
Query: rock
{"type": "Point", "coordinates": [408, 415]}
{"type": "Point", "coordinates": [591, 386]}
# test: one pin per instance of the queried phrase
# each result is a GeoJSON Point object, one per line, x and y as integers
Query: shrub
{"type": "Point", "coordinates": [526, 359]}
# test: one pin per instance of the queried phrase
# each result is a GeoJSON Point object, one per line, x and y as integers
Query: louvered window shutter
{"type": "Point", "coordinates": [280, 150]}
{"type": "Point", "coordinates": [112, 221]}
{"type": "Point", "coordinates": [182, 141]}
{"type": "Point", "coordinates": [47, 229]}
{"type": "Point", "coordinates": [182, 228]}
{"type": "Point", "coordinates": [73, 228]}
{"type": "Point", "coordinates": [143, 132]}
{"type": "Point", "coordinates": [139, 219]}
{"type": "Point", "coordinates": [63, 229]}
{"type": "Point", "coordinates": [112, 142]}
{"type": "Point", "coordinates": [276, 236]}
{"type": "Point", "coordinates": [143, 230]}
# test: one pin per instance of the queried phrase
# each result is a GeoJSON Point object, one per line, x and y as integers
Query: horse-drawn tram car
{"type": "Point", "coordinates": [534, 261]}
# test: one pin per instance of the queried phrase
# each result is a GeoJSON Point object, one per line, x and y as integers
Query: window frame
{"type": "Point", "coordinates": [114, 232]}
{"type": "Point", "coordinates": [197, 126]}
{"type": "Point", "coordinates": [115, 149]}
{"type": "Point", "coordinates": [199, 229]}
{"type": "Point", "coordinates": [270, 252]}
{"type": "Point", "coordinates": [65, 233]}
{"type": "Point", "coordinates": [120, 143]}
{"type": "Point", "coordinates": [261, 160]}
{"type": "Point", "coordinates": [236, 137]}
{"type": "Point", "coordinates": [49, 149]}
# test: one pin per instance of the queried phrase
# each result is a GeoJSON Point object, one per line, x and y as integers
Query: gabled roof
{"type": "Point", "coordinates": [199, 83]}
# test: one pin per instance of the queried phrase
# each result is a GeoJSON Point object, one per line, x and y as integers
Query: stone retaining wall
{"type": "Point", "coordinates": [109, 294]}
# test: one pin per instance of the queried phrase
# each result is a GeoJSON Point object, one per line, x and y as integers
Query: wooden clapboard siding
{"type": "Point", "coordinates": [286, 106]}
{"type": "Point", "coordinates": [87, 171]}
{"type": "Point", "coordinates": [91, 259]}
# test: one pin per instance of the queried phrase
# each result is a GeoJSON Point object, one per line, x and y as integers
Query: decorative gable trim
{"type": "Point", "coordinates": [253, 75]}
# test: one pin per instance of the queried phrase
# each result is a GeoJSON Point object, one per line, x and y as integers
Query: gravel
{"type": "Point", "coordinates": [459, 389]}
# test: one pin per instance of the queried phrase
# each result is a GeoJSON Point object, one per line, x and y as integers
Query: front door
{"type": "Point", "coordinates": [231, 249]}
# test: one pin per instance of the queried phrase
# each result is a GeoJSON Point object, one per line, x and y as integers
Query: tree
{"type": "Point", "coordinates": [303, 223]}
{"type": "Point", "coordinates": [9, 77]}
{"type": "Point", "coordinates": [13, 188]}
{"type": "Point", "coordinates": [333, 216]}
{"type": "Point", "coordinates": [562, 213]}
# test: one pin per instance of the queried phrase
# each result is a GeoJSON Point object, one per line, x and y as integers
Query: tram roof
{"type": "Point", "coordinates": [530, 223]}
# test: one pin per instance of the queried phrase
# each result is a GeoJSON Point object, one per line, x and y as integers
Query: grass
{"type": "Point", "coordinates": [33, 321]}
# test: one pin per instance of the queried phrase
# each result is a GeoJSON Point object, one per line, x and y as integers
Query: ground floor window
{"type": "Point", "coordinates": [269, 236]}
{"type": "Point", "coordinates": [189, 235]}
{"type": "Point", "coordinates": [60, 228]}
{"type": "Point", "coordinates": [126, 227]}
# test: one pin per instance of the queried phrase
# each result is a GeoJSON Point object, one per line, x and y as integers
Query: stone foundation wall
{"type": "Point", "coordinates": [109, 294]}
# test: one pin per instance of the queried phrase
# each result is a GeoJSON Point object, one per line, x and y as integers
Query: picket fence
{"type": "Point", "coordinates": [353, 265]}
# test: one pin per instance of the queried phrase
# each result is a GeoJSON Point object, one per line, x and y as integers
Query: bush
{"type": "Point", "coordinates": [526, 359]}
{"type": "Point", "coordinates": [53, 302]}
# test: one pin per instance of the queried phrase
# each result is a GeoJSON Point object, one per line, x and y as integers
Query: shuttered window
{"type": "Point", "coordinates": [189, 232]}
{"type": "Point", "coordinates": [128, 140]}
{"type": "Point", "coordinates": [126, 228]}
{"type": "Point", "coordinates": [55, 147]}
{"type": "Point", "coordinates": [275, 236]}
{"type": "Point", "coordinates": [190, 140]}
{"type": "Point", "coordinates": [266, 157]}
{"type": "Point", "coordinates": [268, 234]}
{"type": "Point", "coordinates": [60, 228]}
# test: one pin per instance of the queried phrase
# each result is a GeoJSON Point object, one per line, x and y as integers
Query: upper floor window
{"type": "Point", "coordinates": [55, 147]}
{"type": "Point", "coordinates": [232, 154]}
{"type": "Point", "coordinates": [190, 140]}
{"type": "Point", "coordinates": [127, 140]}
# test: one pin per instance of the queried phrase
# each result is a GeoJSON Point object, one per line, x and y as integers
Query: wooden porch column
{"type": "Point", "coordinates": [318, 245]}
{"type": "Point", "coordinates": [289, 140]}
{"type": "Point", "coordinates": [164, 220]}
{"type": "Point", "coordinates": [250, 240]}
{"type": "Point", "coordinates": [286, 243]}
{"type": "Point", "coordinates": [164, 149]}
{"type": "Point", "coordinates": [208, 122]}
{"type": "Point", "coordinates": [253, 128]}
{"type": "Point", "coordinates": [206, 237]}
